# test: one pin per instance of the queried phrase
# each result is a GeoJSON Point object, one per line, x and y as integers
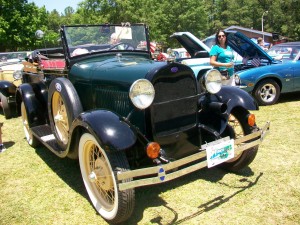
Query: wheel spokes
{"type": "Point", "coordinates": [100, 176]}
{"type": "Point", "coordinates": [235, 124]}
{"type": "Point", "coordinates": [25, 123]}
{"type": "Point", "coordinates": [60, 117]}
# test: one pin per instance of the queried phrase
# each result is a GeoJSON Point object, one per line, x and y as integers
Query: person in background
{"type": "Point", "coordinates": [114, 39]}
{"type": "Point", "coordinates": [2, 147]}
{"type": "Point", "coordinates": [261, 43]}
{"type": "Point", "coordinates": [221, 58]}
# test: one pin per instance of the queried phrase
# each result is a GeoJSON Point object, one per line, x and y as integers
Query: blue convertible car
{"type": "Point", "coordinates": [268, 82]}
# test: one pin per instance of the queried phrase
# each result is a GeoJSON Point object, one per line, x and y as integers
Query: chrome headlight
{"type": "Point", "coordinates": [237, 80]}
{"type": "Point", "coordinates": [17, 75]}
{"type": "Point", "coordinates": [212, 81]}
{"type": "Point", "coordinates": [142, 93]}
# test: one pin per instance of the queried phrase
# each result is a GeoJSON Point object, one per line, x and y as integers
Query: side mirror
{"type": "Point", "coordinates": [39, 34]}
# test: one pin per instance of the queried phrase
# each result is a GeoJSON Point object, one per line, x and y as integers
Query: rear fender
{"type": "Point", "coordinates": [7, 88]}
{"type": "Point", "coordinates": [34, 108]}
{"type": "Point", "coordinates": [110, 130]}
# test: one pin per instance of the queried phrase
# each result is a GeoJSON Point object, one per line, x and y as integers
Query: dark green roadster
{"type": "Point", "coordinates": [131, 121]}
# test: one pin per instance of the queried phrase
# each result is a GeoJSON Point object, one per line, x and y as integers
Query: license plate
{"type": "Point", "coordinates": [219, 151]}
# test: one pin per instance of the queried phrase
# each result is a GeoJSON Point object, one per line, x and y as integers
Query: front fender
{"type": "Point", "coordinates": [7, 88]}
{"type": "Point", "coordinates": [219, 106]}
{"type": "Point", "coordinates": [234, 97]}
{"type": "Point", "coordinates": [111, 131]}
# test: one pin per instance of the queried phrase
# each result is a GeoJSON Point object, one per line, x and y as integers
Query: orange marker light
{"type": "Point", "coordinates": [153, 149]}
{"type": "Point", "coordinates": [251, 120]}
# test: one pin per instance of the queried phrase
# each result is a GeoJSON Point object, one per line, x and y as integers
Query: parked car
{"type": "Point", "coordinates": [178, 53]}
{"type": "Point", "coordinates": [132, 121]}
{"type": "Point", "coordinates": [246, 53]}
{"type": "Point", "coordinates": [268, 82]}
{"type": "Point", "coordinates": [284, 51]}
{"type": "Point", "coordinates": [10, 74]}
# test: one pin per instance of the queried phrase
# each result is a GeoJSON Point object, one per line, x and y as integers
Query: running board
{"type": "Point", "coordinates": [44, 134]}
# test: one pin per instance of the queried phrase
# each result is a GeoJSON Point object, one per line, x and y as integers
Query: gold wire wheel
{"type": "Point", "coordinates": [99, 173]}
{"type": "Point", "coordinates": [60, 117]}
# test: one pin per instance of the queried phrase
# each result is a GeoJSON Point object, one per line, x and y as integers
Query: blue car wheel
{"type": "Point", "coordinates": [267, 92]}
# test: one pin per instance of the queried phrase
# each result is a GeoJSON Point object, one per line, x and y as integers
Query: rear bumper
{"type": "Point", "coordinates": [167, 172]}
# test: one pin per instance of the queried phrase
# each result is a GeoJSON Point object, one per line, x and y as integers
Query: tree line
{"type": "Point", "coordinates": [19, 19]}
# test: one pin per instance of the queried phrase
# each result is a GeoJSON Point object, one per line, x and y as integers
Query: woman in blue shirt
{"type": "Point", "coordinates": [221, 56]}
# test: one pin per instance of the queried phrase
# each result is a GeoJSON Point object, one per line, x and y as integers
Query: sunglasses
{"type": "Point", "coordinates": [221, 36]}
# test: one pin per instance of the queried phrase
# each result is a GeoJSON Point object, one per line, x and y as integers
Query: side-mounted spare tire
{"type": "Point", "coordinates": [63, 107]}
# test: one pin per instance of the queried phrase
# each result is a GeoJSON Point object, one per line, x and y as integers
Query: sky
{"type": "Point", "coordinates": [59, 5]}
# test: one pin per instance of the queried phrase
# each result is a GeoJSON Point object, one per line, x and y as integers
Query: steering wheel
{"type": "Point", "coordinates": [126, 46]}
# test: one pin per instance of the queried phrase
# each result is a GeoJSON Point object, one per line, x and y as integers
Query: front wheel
{"type": "Point", "coordinates": [99, 171]}
{"type": "Point", "coordinates": [267, 92]}
{"type": "Point", "coordinates": [238, 127]}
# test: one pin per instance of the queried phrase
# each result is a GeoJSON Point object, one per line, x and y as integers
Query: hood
{"type": "Point", "coordinates": [245, 47]}
{"type": "Point", "coordinates": [125, 69]}
{"type": "Point", "coordinates": [190, 42]}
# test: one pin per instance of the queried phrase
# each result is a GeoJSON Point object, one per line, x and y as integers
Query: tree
{"type": "Point", "coordinates": [19, 20]}
{"type": "Point", "coordinates": [18, 23]}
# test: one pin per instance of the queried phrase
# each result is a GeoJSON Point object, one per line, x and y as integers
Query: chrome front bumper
{"type": "Point", "coordinates": [167, 172]}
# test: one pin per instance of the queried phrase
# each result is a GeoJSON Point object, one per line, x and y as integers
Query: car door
{"type": "Point", "coordinates": [296, 78]}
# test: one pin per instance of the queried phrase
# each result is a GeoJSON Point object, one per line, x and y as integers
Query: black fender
{"type": "Point", "coordinates": [41, 93]}
{"type": "Point", "coordinates": [7, 88]}
{"type": "Point", "coordinates": [111, 130]}
{"type": "Point", "coordinates": [217, 108]}
{"type": "Point", "coordinates": [234, 97]}
{"type": "Point", "coordinates": [33, 106]}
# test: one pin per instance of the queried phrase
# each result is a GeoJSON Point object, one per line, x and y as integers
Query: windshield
{"type": "Point", "coordinates": [88, 39]}
{"type": "Point", "coordinates": [12, 56]}
{"type": "Point", "coordinates": [280, 52]}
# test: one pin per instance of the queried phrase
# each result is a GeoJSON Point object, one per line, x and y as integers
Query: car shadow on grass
{"type": "Point", "coordinates": [289, 97]}
{"type": "Point", "coordinates": [147, 197]}
{"type": "Point", "coordinates": [68, 170]}
{"type": "Point", "coordinates": [8, 144]}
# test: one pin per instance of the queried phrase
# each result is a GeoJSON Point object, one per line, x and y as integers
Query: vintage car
{"type": "Point", "coordinates": [132, 121]}
{"type": "Point", "coordinates": [10, 74]}
{"type": "Point", "coordinates": [246, 54]}
{"type": "Point", "coordinates": [268, 82]}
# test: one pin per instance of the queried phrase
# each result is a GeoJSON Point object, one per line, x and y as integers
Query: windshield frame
{"type": "Point", "coordinates": [137, 40]}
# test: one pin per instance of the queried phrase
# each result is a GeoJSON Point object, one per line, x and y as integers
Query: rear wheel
{"type": "Point", "coordinates": [99, 171]}
{"type": "Point", "coordinates": [267, 92]}
{"type": "Point", "coordinates": [32, 141]}
{"type": "Point", "coordinates": [238, 127]}
{"type": "Point", "coordinates": [5, 106]}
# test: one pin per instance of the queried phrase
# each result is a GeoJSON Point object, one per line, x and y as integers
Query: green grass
{"type": "Point", "coordinates": [37, 187]}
